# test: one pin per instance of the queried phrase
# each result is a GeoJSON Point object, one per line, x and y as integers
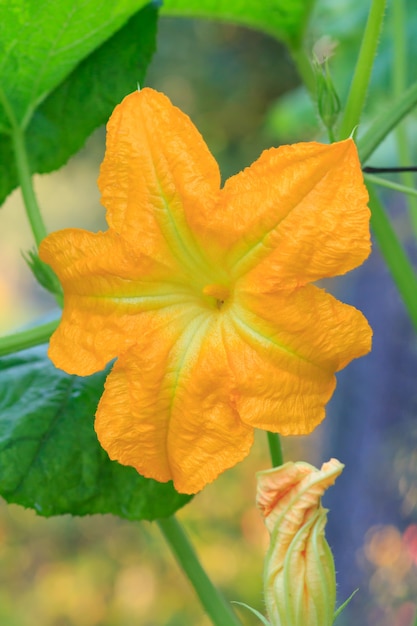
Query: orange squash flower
{"type": "Point", "coordinates": [203, 293]}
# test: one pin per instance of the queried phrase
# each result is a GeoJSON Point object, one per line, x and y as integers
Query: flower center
{"type": "Point", "coordinates": [219, 292]}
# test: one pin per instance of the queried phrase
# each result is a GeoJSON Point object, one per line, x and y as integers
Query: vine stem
{"type": "Point", "coordinates": [24, 174]}
{"type": "Point", "coordinates": [389, 184]}
{"type": "Point", "coordinates": [27, 338]}
{"type": "Point", "coordinates": [275, 449]}
{"type": "Point", "coordinates": [213, 602]}
{"type": "Point", "coordinates": [363, 69]}
{"type": "Point", "coordinates": [31, 204]}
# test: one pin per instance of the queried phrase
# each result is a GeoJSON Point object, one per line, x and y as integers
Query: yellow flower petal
{"type": "Point", "coordinates": [270, 210]}
{"type": "Point", "coordinates": [296, 487]}
{"type": "Point", "coordinates": [283, 350]}
{"type": "Point", "coordinates": [177, 421]}
{"type": "Point", "coordinates": [108, 290]}
{"type": "Point", "coordinates": [308, 323]}
{"type": "Point", "coordinates": [157, 170]}
{"type": "Point", "coordinates": [274, 390]}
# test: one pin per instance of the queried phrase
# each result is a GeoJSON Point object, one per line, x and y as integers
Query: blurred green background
{"type": "Point", "coordinates": [241, 90]}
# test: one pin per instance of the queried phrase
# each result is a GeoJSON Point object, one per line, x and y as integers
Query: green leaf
{"type": "Point", "coordinates": [42, 42]}
{"type": "Point", "coordinates": [284, 19]}
{"type": "Point", "coordinates": [85, 100]}
{"type": "Point", "coordinates": [50, 459]}
{"type": "Point", "coordinates": [344, 605]}
{"type": "Point", "coordinates": [261, 617]}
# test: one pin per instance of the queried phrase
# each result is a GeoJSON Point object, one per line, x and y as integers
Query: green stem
{"type": "Point", "coordinates": [394, 255]}
{"type": "Point", "coordinates": [213, 602]}
{"type": "Point", "coordinates": [389, 184]}
{"type": "Point", "coordinates": [415, 620]}
{"type": "Point", "coordinates": [25, 179]}
{"type": "Point", "coordinates": [27, 338]}
{"type": "Point", "coordinates": [31, 204]}
{"type": "Point", "coordinates": [275, 449]}
{"type": "Point", "coordinates": [331, 135]}
{"type": "Point", "coordinates": [399, 82]}
{"type": "Point", "coordinates": [363, 69]}
{"type": "Point", "coordinates": [384, 123]}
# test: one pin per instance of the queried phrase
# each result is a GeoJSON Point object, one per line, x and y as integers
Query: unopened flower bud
{"type": "Point", "coordinates": [328, 102]}
{"type": "Point", "coordinates": [299, 576]}
{"type": "Point", "coordinates": [43, 273]}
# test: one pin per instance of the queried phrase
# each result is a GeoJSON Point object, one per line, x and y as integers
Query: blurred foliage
{"type": "Point", "coordinates": [283, 20]}
{"type": "Point", "coordinates": [295, 117]}
{"type": "Point", "coordinates": [226, 78]}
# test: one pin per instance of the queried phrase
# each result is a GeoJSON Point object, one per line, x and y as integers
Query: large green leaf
{"type": "Point", "coordinates": [41, 42]}
{"type": "Point", "coordinates": [84, 101]}
{"type": "Point", "coordinates": [284, 19]}
{"type": "Point", "coordinates": [50, 459]}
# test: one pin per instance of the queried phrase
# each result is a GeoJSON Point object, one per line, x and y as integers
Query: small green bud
{"type": "Point", "coordinates": [328, 102]}
{"type": "Point", "coordinates": [45, 276]}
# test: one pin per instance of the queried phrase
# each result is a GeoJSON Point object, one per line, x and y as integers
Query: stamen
{"type": "Point", "coordinates": [220, 292]}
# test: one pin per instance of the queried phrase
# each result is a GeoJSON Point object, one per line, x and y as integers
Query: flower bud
{"type": "Point", "coordinates": [299, 575]}
{"type": "Point", "coordinates": [328, 102]}
{"type": "Point", "coordinates": [43, 273]}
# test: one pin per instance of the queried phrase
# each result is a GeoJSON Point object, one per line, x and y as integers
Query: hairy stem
{"type": "Point", "coordinates": [275, 449]}
{"type": "Point", "coordinates": [363, 69]}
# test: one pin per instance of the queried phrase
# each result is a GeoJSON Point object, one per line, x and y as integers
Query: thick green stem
{"type": "Point", "coordinates": [384, 123]}
{"type": "Point", "coordinates": [394, 255]}
{"type": "Point", "coordinates": [363, 69]}
{"type": "Point", "coordinates": [213, 602]}
{"type": "Point", "coordinates": [275, 449]}
{"type": "Point", "coordinates": [27, 338]}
